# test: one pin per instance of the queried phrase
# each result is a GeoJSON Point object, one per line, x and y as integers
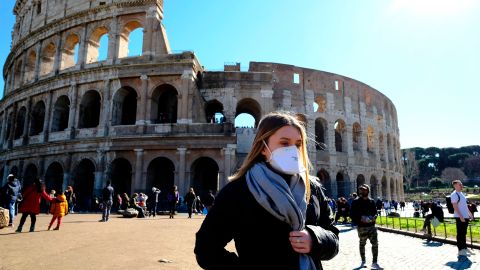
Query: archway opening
{"type": "Point", "coordinates": [324, 178]}
{"type": "Point", "coordinates": [248, 106]}
{"type": "Point", "coordinates": [205, 176]}
{"type": "Point", "coordinates": [19, 125]}
{"type": "Point", "coordinates": [161, 174]}
{"type": "Point", "coordinates": [360, 180]}
{"type": "Point", "coordinates": [164, 104]}
{"type": "Point", "coordinates": [84, 179]}
{"type": "Point", "coordinates": [31, 172]}
{"type": "Point", "coordinates": [90, 110]}
{"type": "Point", "coordinates": [120, 175]}
{"type": "Point", "coordinates": [54, 177]}
{"type": "Point", "coordinates": [214, 112]}
{"type": "Point", "coordinates": [124, 107]}
{"type": "Point", "coordinates": [38, 118]}
{"type": "Point", "coordinates": [61, 112]}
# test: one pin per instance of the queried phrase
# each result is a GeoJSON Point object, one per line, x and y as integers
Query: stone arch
{"type": "Point", "coordinates": [370, 139]}
{"type": "Point", "coordinates": [93, 45]}
{"type": "Point", "coordinates": [54, 177]}
{"type": "Point", "coordinates": [37, 118]}
{"type": "Point", "coordinates": [164, 104]}
{"type": "Point", "coordinates": [356, 136]}
{"type": "Point", "coordinates": [70, 51]}
{"type": "Point", "coordinates": [124, 107]}
{"type": "Point", "coordinates": [303, 119]}
{"type": "Point", "coordinates": [340, 135]}
{"type": "Point", "coordinates": [31, 172]}
{"type": "Point", "coordinates": [320, 131]}
{"type": "Point", "coordinates": [89, 113]}
{"type": "Point", "coordinates": [19, 124]}
{"type": "Point", "coordinates": [120, 175]}
{"type": "Point", "coordinates": [360, 181]}
{"type": "Point", "coordinates": [10, 125]}
{"type": "Point", "coordinates": [212, 109]}
{"type": "Point", "coordinates": [161, 174]}
{"type": "Point", "coordinates": [204, 175]}
{"type": "Point", "coordinates": [61, 113]}
{"type": "Point", "coordinates": [30, 66]}
{"type": "Point", "coordinates": [343, 184]}
{"type": "Point", "coordinates": [321, 104]}
{"type": "Point", "coordinates": [324, 178]}
{"type": "Point", "coordinates": [381, 147]}
{"type": "Point", "coordinates": [393, 189]}
{"type": "Point", "coordinates": [48, 59]}
{"type": "Point", "coordinates": [83, 183]}
{"type": "Point", "coordinates": [17, 74]}
{"type": "Point", "coordinates": [374, 187]}
{"type": "Point", "coordinates": [384, 187]}
{"type": "Point", "coordinates": [124, 41]}
{"type": "Point", "coordinates": [249, 106]}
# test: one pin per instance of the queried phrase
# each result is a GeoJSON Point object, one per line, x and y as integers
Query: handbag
{"type": "Point", "coordinates": [435, 222]}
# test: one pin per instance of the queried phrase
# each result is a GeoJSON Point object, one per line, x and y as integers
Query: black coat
{"type": "Point", "coordinates": [261, 240]}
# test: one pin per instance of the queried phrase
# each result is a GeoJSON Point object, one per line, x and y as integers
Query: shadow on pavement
{"type": "Point", "coordinates": [462, 263]}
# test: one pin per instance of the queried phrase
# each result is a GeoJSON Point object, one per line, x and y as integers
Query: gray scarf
{"type": "Point", "coordinates": [285, 202]}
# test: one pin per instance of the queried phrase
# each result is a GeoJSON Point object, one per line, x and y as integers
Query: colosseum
{"type": "Point", "coordinates": [75, 118]}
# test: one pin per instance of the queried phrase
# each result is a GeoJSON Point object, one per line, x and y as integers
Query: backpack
{"type": "Point", "coordinates": [449, 203]}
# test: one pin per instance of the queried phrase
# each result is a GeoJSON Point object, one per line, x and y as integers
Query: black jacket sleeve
{"type": "Point", "coordinates": [324, 234]}
{"type": "Point", "coordinates": [215, 233]}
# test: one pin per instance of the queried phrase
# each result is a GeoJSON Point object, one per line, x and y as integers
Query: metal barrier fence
{"type": "Point", "coordinates": [413, 225]}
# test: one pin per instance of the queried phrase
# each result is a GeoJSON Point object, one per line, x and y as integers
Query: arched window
{"type": "Point", "coordinates": [19, 125]}
{"type": "Point", "coordinates": [30, 66]}
{"type": "Point", "coordinates": [70, 51]}
{"type": "Point", "coordinates": [124, 107]}
{"type": "Point", "coordinates": [370, 139]}
{"type": "Point", "coordinates": [214, 112]}
{"type": "Point", "coordinates": [37, 118]}
{"type": "Point", "coordinates": [131, 40]}
{"type": "Point", "coordinates": [61, 112]}
{"type": "Point", "coordinates": [164, 104]}
{"type": "Point", "coordinates": [97, 49]}
{"type": "Point", "coordinates": [249, 106]}
{"type": "Point", "coordinates": [320, 125]}
{"type": "Point", "coordinates": [357, 135]}
{"type": "Point", "coordinates": [17, 75]}
{"type": "Point", "coordinates": [339, 128]}
{"type": "Point", "coordinates": [320, 105]}
{"type": "Point", "coordinates": [90, 110]}
{"type": "Point", "coordinates": [48, 59]}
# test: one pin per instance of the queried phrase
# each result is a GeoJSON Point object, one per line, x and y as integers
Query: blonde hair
{"type": "Point", "coordinates": [269, 124]}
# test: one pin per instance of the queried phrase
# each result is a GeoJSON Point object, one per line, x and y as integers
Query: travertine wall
{"type": "Point", "coordinates": [143, 121]}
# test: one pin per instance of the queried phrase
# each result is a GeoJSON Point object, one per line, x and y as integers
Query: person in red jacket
{"type": "Point", "coordinates": [30, 205]}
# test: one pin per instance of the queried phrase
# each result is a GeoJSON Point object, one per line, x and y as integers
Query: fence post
{"type": "Point", "coordinates": [393, 222]}
{"type": "Point", "coordinates": [415, 224]}
{"type": "Point", "coordinates": [399, 223]}
{"type": "Point", "coordinates": [471, 237]}
{"type": "Point", "coordinates": [408, 229]}
{"type": "Point", "coordinates": [445, 228]}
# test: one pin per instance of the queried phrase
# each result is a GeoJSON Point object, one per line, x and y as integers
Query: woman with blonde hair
{"type": "Point", "coordinates": [275, 212]}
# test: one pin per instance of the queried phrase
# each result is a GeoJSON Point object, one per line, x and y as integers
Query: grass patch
{"type": "Point", "coordinates": [446, 229]}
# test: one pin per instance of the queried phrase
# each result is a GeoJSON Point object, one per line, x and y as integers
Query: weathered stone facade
{"type": "Point", "coordinates": [145, 120]}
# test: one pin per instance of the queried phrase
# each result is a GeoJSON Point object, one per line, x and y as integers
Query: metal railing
{"type": "Point", "coordinates": [413, 224]}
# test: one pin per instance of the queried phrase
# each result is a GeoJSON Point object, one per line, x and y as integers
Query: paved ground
{"type": "Point", "coordinates": [85, 243]}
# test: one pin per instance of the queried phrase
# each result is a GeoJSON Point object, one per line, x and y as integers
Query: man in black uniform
{"type": "Point", "coordinates": [107, 198]}
{"type": "Point", "coordinates": [364, 214]}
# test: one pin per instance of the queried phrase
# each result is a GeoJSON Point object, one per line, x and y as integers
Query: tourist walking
{"type": "Point", "coordinates": [272, 208]}
{"type": "Point", "coordinates": [30, 206]}
{"type": "Point", "coordinates": [189, 201]}
{"type": "Point", "coordinates": [462, 216]}
{"type": "Point", "coordinates": [107, 200]}
{"type": "Point", "coordinates": [154, 201]}
{"type": "Point", "coordinates": [71, 199]}
{"type": "Point", "coordinates": [364, 214]}
{"type": "Point", "coordinates": [437, 212]}
{"type": "Point", "coordinates": [172, 199]}
{"type": "Point", "coordinates": [9, 194]}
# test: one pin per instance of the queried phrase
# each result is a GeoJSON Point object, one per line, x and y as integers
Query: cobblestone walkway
{"type": "Point", "coordinates": [399, 252]}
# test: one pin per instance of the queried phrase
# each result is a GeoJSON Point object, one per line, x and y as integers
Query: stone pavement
{"type": "Point", "coordinates": [399, 252]}
{"type": "Point", "coordinates": [84, 243]}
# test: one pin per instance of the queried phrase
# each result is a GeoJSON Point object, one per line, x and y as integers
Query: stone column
{"type": "Point", "coordinates": [151, 16]}
{"type": "Point", "coordinates": [99, 174]}
{"type": "Point", "coordinates": [136, 184]}
{"type": "Point", "coordinates": [4, 128]}
{"type": "Point", "coordinates": [185, 98]}
{"type": "Point", "coordinates": [267, 104]}
{"type": "Point", "coordinates": [105, 114]}
{"type": "Point", "coordinates": [37, 61]}
{"type": "Point", "coordinates": [48, 114]}
{"type": "Point", "coordinates": [227, 152]}
{"type": "Point", "coordinates": [67, 179]}
{"type": "Point", "coordinates": [142, 109]}
{"type": "Point", "coordinates": [58, 55]}
{"type": "Point", "coordinates": [26, 124]}
{"type": "Point", "coordinates": [113, 39]}
{"type": "Point", "coordinates": [181, 181]}
{"type": "Point", "coordinates": [73, 110]}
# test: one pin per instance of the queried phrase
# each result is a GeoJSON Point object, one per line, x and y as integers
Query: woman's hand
{"type": "Point", "coordinates": [301, 241]}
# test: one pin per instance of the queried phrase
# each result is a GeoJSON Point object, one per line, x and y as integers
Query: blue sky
{"type": "Point", "coordinates": [423, 54]}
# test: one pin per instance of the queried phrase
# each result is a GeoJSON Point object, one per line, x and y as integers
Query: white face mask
{"type": "Point", "coordinates": [286, 160]}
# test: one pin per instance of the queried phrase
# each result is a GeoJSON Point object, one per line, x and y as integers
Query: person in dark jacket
{"type": "Point", "coordinates": [10, 193]}
{"type": "Point", "coordinates": [275, 212]}
{"type": "Point", "coordinates": [107, 200]}
{"type": "Point", "coordinates": [189, 201]}
{"type": "Point", "coordinates": [364, 214]}
{"type": "Point", "coordinates": [437, 212]}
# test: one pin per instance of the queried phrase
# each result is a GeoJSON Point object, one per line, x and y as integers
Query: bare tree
{"type": "Point", "coordinates": [449, 174]}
